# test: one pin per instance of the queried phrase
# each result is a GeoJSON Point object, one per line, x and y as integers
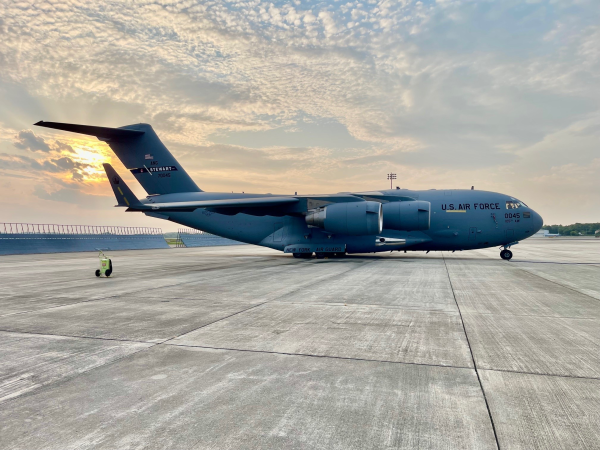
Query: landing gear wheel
{"type": "Point", "coordinates": [320, 255]}
{"type": "Point", "coordinates": [506, 255]}
{"type": "Point", "coordinates": [97, 272]}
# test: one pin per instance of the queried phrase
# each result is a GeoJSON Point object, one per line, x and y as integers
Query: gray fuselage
{"type": "Point", "coordinates": [460, 220]}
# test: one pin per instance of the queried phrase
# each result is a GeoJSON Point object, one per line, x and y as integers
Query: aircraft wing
{"type": "Point", "coordinates": [257, 202]}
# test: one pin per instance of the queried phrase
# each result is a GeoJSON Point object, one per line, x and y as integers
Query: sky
{"type": "Point", "coordinates": [307, 97]}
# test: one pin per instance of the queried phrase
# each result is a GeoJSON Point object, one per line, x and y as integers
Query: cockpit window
{"type": "Point", "coordinates": [514, 204]}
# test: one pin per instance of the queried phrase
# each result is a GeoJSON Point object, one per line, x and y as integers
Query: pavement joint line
{"type": "Point", "coordinates": [213, 322]}
{"type": "Point", "coordinates": [259, 304]}
{"type": "Point", "coordinates": [361, 305]}
{"type": "Point", "coordinates": [532, 315]}
{"type": "Point", "coordinates": [166, 340]}
{"type": "Point", "coordinates": [487, 405]}
{"type": "Point", "coordinates": [366, 305]}
{"type": "Point", "coordinates": [79, 337]}
{"type": "Point", "coordinates": [308, 355]}
{"type": "Point", "coordinates": [595, 264]}
{"type": "Point", "coordinates": [57, 306]}
{"type": "Point", "coordinates": [99, 298]}
{"type": "Point", "coordinates": [303, 286]}
{"type": "Point", "coordinates": [523, 261]}
{"type": "Point", "coordinates": [204, 268]}
{"type": "Point", "coordinates": [154, 344]}
{"type": "Point", "coordinates": [329, 278]}
{"type": "Point", "coordinates": [559, 284]}
{"type": "Point", "coordinates": [555, 375]}
{"type": "Point", "coordinates": [550, 281]}
{"type": "Point", "coordinates": [254, 306]}
{"type": "Point", "coordinates": [60, 381]}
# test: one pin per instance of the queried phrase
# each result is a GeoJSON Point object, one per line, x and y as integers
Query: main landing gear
{"type": "Point", "coordinates": [506, 254]}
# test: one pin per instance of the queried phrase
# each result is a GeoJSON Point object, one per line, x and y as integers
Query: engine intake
{"type": "Point", "coordinates": [354, 218]}
{"type": "Point", "coordinates": [407, 216]}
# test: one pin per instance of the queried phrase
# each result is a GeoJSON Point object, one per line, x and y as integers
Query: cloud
{"type": "Point", "coordinates": [48, 169]}
{"type": "Point", "coordinates": [26, 140]}
{"type": "Point", "coordinates": [439, 89]}
{"type": "Point", "coordinates": [73, 196]}
{"type": "Point", "coordinates": [61, 146]}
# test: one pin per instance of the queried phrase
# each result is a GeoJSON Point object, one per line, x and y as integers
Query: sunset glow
{"type": "Point", "coordinates": [306, 96]}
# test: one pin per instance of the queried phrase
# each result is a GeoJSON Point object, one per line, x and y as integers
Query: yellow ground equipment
{"type": "Point", "coordinates": [106, 267]}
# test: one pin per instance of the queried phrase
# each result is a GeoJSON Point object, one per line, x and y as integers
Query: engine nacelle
{"type": "Point", "coordinates": [354, 218]}
{"type": "Point", "coordinates": [407, 216]}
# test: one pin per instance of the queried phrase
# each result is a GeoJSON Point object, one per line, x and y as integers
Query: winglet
{"type": "Point", "coordinates": [124, 195]}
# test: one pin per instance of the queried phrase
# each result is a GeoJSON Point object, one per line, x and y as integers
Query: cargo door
{"type": "Point", "coordinates": [473, 233]}
{"type": "Point", "coordinates": [278, 232]}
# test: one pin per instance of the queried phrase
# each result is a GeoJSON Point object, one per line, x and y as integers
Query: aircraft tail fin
{"type": "Point", "coordinates": [125, 197]}
{"type": "Point", "coordinates": [142, 152]}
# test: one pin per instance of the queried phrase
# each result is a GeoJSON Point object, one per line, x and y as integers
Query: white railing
{"type": "Point", "coordinates": [49, 228]}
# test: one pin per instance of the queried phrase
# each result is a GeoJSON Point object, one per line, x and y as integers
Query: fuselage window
{"type": "Point", "coordinates": [512, 204]}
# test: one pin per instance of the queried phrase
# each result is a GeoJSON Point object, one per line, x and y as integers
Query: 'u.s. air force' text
{"type": "Point", "coordinates": [467, 206]}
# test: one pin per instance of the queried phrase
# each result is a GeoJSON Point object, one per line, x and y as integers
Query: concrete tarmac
{"type": "Point", "coordinates": [241, 347]}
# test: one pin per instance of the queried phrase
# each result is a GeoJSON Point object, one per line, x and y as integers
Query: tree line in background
{"type": "Point", "coordinates": [573, 230]}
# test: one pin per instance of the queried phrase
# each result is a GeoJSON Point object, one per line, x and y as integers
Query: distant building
{"type": "Point", "coordinates": [545, 233]}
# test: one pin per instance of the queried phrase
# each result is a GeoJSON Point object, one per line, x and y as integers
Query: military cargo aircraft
{"type": "Point", "coordinates": [325, 225]}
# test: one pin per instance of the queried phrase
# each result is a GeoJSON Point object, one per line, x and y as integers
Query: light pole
{"type": "Point", "coordinates": [391, 177]}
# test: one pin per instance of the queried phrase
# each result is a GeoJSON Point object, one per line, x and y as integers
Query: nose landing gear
{"type": "Point", "coordinates": [505, 253]}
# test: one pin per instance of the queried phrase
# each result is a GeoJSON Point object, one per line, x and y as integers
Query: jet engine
{"type": "Point", "coordinates": [407, 216]}
{"type": "Point", "coordinates": [354, 218]}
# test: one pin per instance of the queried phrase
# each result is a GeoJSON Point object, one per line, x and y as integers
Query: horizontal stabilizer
{"type": "Point", "coordinates": [141, 152]}
{"type": "Point", "coordinates": [100, 132]}
{"type": "Point", "coordinates": [125, 197]}
{"type": "Point", "coordinates": [257, 202]}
